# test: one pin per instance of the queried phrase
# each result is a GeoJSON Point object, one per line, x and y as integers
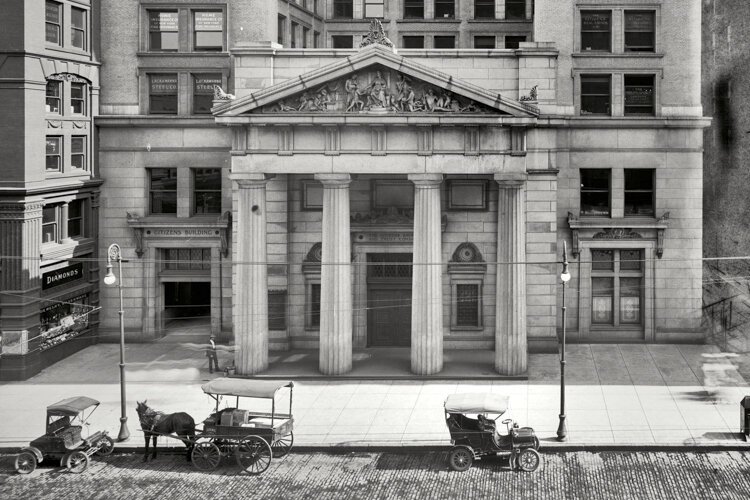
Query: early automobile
{"type": "Point", "coordinates": [63, 441]}
{"type": "Point", "coordinates": [472, 423]}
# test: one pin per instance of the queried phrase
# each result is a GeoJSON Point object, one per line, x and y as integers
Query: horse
{"type": "Point", "coordinates": [155, 423]}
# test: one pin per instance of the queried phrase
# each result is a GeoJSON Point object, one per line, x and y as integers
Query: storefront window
{"type": "Point", "coordinates": [163, 190]}
{"type": "Point", "coordinates": [163, 30]}
{"type": "Point", "coordinates": [78, 28]}
{"type": "Point", "coordinates": [54, 95]}
{"type": "Point", "coordinates": [163, 94]}
{"type": "Point", "coordinates": [208, 30]}
{"type": "Point", "coordinates": [595, 186]}
{"type": "Point", "coordinates": [639, 95]}
{"type": "Point", "coordinates": [596, 96]}
{"type": "Point", "coordinates": [203, 92]}
{"type": "Point", "coordinates": [640, 32]}
{"type": "Point", "coordinates": [62, 320]}
{"type": "Point", "coordinates": [596, 30]}
{"type": "Point", "coordinates": [207, 190]}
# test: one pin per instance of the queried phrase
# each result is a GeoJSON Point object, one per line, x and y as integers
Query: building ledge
{"type": "Point", "coordinates": [618, 229]}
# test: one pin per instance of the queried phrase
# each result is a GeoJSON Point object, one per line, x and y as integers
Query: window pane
{"type": "Point", "coordinates": [163, 190]}
{"type": "Point", "coordinates": [484, 42]}
{"type": "Point", "coordinates": [467, 305]}
{"type": "Point", "coordinates": [203, 92]}
{"type": "Point", "coordinates": [512, 42]}
{"type": "Point", "coordinates": [163, 94]}
{"type": "Point", "coordinates": [277, 309]}
{"type": "Point", "coordinates": [53, 17]}
{"type": "Point", "coordinates": [515, 9]}
{"type": "Point", "coordinates": [630, 300]}
{"type": "Point", "coordinates": [315, 305]}
{"type": "Point", "coordinates": [445, 42]}
{"type": "Point", "coordinates": [207, 190]}
{"type": "Point", "coordinates": [602, 291]}
{"type": "Point", "coordinates": [78, 152]}
{"type": "Point", "coordinates": [595, 94]}
{"type": "Point", "coordinates": [413, 9]}
{"type": "Point", "coordinates": [163, 30]}
{"type": "Point", "coordinates": [631, 260]}
{"type": "Point", "coordinates": [78, 98]}
{"type": "Point", "coordinates": [596, 30]}
{"type": "Point", "coordinates": [639, 191]}
{"type": "Point", "coordinates": [342, 41]}
{"type": "Point", "coordinates": [208, 27]}
{"type": "Point", "coordinates": [163, 202]}
{"type": "Point", "coordinates": [53, 153]}
{"type": "Point", "coordinates": [602, 260]}
{"type": "Point", "coordinates": [484, 9]}
{"type": "Point", "coordinates": [445, 9]}
{"type": "Point", "coordinates": [639, 31]}
{"type": "Point", "coordinates": [53, 94]}
{"type": "Point", "coordinates": [78, 28]}
{"type": "Point", "coordinates": [49, 224]}
{"type": "Point", "coordinates": [595, 192]}
{"type": "Point", "coordinates": [413, 42]}
{"type": "Point", "coordinates": [342, 9]}
{"type": "Point", "coordinates": [639, 94]}
{"type": "Point", "coordinates": [75, 219]}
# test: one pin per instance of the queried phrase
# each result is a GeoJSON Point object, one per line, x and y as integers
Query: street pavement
{"type": "Point", "coordinates": [640, 395]}
{"type": "Point", "coordinates": [359, 475]}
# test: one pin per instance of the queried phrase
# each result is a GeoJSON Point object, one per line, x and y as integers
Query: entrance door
{"type": "Point", "coordinates": [389, 300]}
{"type": "Point", "coordinates": [187, 300]}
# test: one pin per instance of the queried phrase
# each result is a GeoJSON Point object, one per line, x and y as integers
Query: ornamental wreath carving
{"type": "Point", "coordinates": [379, 90]}
{"type": "Point", "coordinates": [617, 233]}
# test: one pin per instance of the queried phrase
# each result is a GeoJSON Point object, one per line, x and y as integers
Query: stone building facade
{"type": "Point", "coordinates": [345, 198]}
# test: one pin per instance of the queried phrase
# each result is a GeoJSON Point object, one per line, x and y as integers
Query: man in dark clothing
{"type": "Point", "coordinates": [213, 360]}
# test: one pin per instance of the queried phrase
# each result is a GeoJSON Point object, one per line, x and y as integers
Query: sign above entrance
{"type": "Point", "coordinates": [62, 276]}
{"type": "Point", "coordinates": [384, 237]}
{"type": "Point", "coordinates": [183, 233]}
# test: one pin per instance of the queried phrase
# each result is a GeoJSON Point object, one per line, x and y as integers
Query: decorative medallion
{"type": "Point", "coordinates": [467, 252]}
{"type": "Point", "coordinates": [617, 233]}
{"type": "Point", "coordinates": [67, 77]}
{"type": "Point", "coordinates": [315, 254]}
{"type": "Point", "coordinates": [376, 36]}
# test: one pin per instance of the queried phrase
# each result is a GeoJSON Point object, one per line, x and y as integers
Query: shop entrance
{"type": "Point", "coordinates": [187, 301]}
{"type": "Point", "coordinates": [389, 299]}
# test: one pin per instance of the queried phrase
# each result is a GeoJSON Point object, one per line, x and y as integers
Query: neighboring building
{"type": "Point", "coordinates": [49, 187]}
{"type": "Point", "coordinates": [291, 214]}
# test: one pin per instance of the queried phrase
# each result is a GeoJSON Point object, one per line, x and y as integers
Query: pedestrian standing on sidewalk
{"type": "Point", "coordinates": [213, 360]}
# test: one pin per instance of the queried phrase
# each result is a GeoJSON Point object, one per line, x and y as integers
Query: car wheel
{"type": "Point", "coordinates": [528, 460]}
{"type": "Point", "coordinates": [25, 462]}
{"type": "Point", "coordinates": [106, 446]}
{"type": "Point", "coordinates": [77, 462]}
{"type": "Point", "coordinates": [461, 458]}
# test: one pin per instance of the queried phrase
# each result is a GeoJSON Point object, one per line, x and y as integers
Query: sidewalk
{"type": "Point", "coordinates": [631, 394]}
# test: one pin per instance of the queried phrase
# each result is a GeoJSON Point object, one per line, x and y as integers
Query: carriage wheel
{"type": "Point", "coordinates": [25, 462]}
{"type": "Point", "coordinates": [528, 460]}
{"type": "Point", "coordinates": [105, 446]}
{"type": "Point", "coordinates": [253, 455]}
{"type": "Point", "coordinates": [461, 458]}
{"type": "Point", "coordinates": [77, 462]}
{"type": "Point", "coordinates": [206, 456]}
{"type": "Point", "coordinates": [282, 445]}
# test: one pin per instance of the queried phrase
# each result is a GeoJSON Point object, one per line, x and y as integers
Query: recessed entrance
{"type": "Point", "coordinates": [187, 300]}
{"type": "Point", "coordinates": [389, 299]}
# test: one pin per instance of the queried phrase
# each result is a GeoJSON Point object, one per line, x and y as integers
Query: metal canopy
{"type": "Point", "coordinates": [71, 407]}
{"type": "Point", "coordinates": [245, 388]}
{"type": "Point", "coordinates": [477, 403]}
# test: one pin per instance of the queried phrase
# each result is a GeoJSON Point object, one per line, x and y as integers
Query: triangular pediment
{"type": "Point", "coordinates": [375, 81]}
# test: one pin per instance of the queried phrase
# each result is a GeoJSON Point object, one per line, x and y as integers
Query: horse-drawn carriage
{"type": "Point", "coordinates": [63, 441]}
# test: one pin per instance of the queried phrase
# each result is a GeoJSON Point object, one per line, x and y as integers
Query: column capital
{"type": "Point", "coordinates": [511, 180]}
{"type": "Point", "coordinates": [250, 180]}
{"type": "Point", "coordinates": [334, 180]}
{"type": "Point", "coordinates": [426, 180]}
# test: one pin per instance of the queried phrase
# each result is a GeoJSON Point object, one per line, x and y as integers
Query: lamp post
{"type": "Point", "coordinates": [562, 429]}
{"type": "Point", "coordinates": [114, 253]}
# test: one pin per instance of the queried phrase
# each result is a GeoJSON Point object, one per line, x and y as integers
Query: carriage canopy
{"type": "Point", "coordinates": [246, 388]}
{"type": "Point", "coordinates": [71, 407]}
{"type": "Point", "coordinates": [477, 403]}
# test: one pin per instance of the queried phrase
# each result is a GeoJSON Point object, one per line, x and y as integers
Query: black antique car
{"type": "Point", "coordinates": [474, 432]}
{"type": "Point", "coordinates": [63, 441]}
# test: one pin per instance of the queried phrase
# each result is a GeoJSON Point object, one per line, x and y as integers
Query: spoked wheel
{"type": "Point", "coordinates": [206, 455]}
{"type": "Point", "coordinates": [282, 445]}
{"type": "Point", "coordinates": [528, 460]}
{"type": "Point", "coordinates": [461, 458]}
{"type": "Point", "coordinates": [77, 462]}
{"type": "Point", "coordinates": [105, 445]}
{"type": "Point", "coordinates": [25, 462]}
{"type": "Point", "coordinates": [253, 455]}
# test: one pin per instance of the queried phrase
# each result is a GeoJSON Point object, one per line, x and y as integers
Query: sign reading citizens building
{"type": "Point", "coordinates": [62, 276]}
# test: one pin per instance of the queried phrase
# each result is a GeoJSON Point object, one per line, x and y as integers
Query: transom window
{"type": "Point", "coordinates": [54, 96]}
{"type": "Point", "coordinates": [54, 153]}
{"type": "Point", "coordinates": [484, 9]}
{"type": "Point", "coordinates": [163, 27]}
{"type": "Point", "coordinates": [343, 9]}
{"type": "Point", "coordinates": [596, 30]}
{"type": "Point", "coordinates": [640, 31]}
{"type": "Point", "coordinates": [639, 95]}
{"type": "Point", "coordinates": [78, 152]}
{"type": "Point", "coordinates": [186, 259]}
{"type": "Point", "coordinates": [595, 189]}
{"type": "Point", "coordinates": [53, 22]}
{"type": "Point", "coordinates": [207, 190]}
{"type": "Point", "coordinates": [445, 9]}
{"type": "Point", "coordinates": [163, 94]}
{"type": "Point", "coordinates": [616, 287]}
{"type": "Point", "coordinates": [203, 92]}
{"type": "Point", "coordinates": [208, 30]}
{"type": "Point", "coordinates": [78, 28]}
{"type": "Point", "coordinates": [389, 265]}
{"type": "Point", "coordinates": [75, 219]}
{"type": "Point", "coordinates": [413, 9]}
{"type": "Point", "coordinates": [163, 190]}
{"type": "Point", "coordinates": [596, 94]}
{"type": "Point", "coordinates": [639, 192]}
{"type": "Point", "coordinates": [374, 9]}
{"type": "Point", "coordinates": [515, 9]}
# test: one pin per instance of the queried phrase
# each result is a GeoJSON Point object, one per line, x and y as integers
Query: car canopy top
{"type": "Point", "coordinates": [245, 388]}
{"type": "Point", "coordinates": [71, 407]}
{"type": "Point", "coordinates": [477, 403]}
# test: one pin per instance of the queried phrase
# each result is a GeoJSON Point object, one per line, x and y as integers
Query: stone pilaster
{"type": "Point", "coordinates": [251, 284]}
{"type": "Point", "coordinates": [510, 314]}
{"type": "Point", "coordinates": [427, 286]}
{"type": "Point", "coordinates": [335, 277]}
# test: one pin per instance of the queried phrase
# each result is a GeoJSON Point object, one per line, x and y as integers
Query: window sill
{"type": "Point", "coordinates": [500, 21]}
{"type": "Point", "coordinates": [449, 20]}
{"type": "Point", "coordinates": [455, 328]}
{"type": "Point", "coordinates": [66, 249]}
{"type": "Point", "coordinates": [208, 53]}
{"type": "Point", "coordinates": [601, 53]}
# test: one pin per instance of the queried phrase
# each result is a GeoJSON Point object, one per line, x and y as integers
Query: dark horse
{"type": "Point", "coordinates": [155, 423]}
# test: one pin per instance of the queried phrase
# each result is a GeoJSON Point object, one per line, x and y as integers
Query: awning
{"type": "Point", "coordinates": [72, 406]}
{"type": "Point", "coordinates": [477, 403]}
{"type": "Point", "coordinates": [246, 388]}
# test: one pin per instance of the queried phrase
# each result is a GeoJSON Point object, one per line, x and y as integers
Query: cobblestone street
{"type": "Point", "coordinates": [356, 475]}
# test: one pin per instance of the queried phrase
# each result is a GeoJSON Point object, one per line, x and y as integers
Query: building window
{"type": "Point", "coordinates": [484, 42]}
{"type": "Point", "coordinates": [640, 31]}
{"type": "Point", "coordinates": [186, 259]}
{"type": "Point", "coordinates": [413, 42]}
{"type": "Point", "coordinates": [208, 30]}
{"type": "Point", "coordinates": [515, 9]}
{"type": "Point", "coordinates": [512, 42]}
{"type": "Point", "coordinates": [53, 22]}
{"type": "Point", "coordinates": [78, 152]}
{"type": "Point", "coordinates": [78, 28]}
{"type": "Point", "coordinates": [639, 95]}
{"type": "Point", "coordinates": [595, 188]}
{"type": "Point", "coordinates": [343, 9]}
{"type": "Point", "coordinates": [342, 41]}
{"type": "Point", "coordinates": [293, 35]}
{"type": "Point", "coordinates": [54, 95]}
{"type": "Point", "coordinates": [163, 27]}
{"type": "Point", "coordinates": [78, 98]}
{"type": "Point", "coordinates": [484, 9]}
{"type": "Point", "coordinates": [639, 192]}
{"type": "Point", "coordinates": [163, 190]}
{"type": "Point", "coordinates": [277, 309]}
{"type": "Point", "coordinates": [616, 287]}
{"type": "Point", "coordinates": [163, 94]}
{"type": "Point", "coordinates": [281, 30]}
{"type": "Point", "coordinates": [313, 316]}
{"type": "Point", "coordinates": [596, 30]}
{"type": "Point", "coordinates": [374, 9]}
{"type": "Point", "coordinates": [467, 305]}
{"type": "Point", "coordinates": [54, 153]}
{"type": "Point", "coordinates": [75, 219]}
{"type": "Point", "coordinates": [596, 94]}
{"type": "Point", "coordinates": [316, 40]}
{"type": "Point", "coordinates": [207, 190]}
{"type": "Point", "coordinates": [203, 92]}
{"type": "Point", "coordinates": [466, 270]}
{"type": "Point", "coordinates": [445, 9]}
{"type": "Point", "coordinates": [49, 224]}
{"type": "Point", "coordinates": [305, 36]}
{"type": "Point", "coordinates": [444, 42]}
{"type": "Point", "coordinates": [413, 9]}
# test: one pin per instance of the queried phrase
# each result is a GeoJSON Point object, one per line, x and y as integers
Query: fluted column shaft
{"type": "Point", "coordinates": [510, 313]}
{"type": "Point", "coordinates": [251, 285]}
{"type": "Point", "coordinates": [427, 286]}
{"type": "Point", "coordinates": [335, 277]}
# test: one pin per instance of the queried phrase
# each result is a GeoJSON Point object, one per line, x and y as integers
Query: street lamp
{"type": "Point", "coordinates": [562, 429]}
{"type": "Point", "coordinates": [114, 253]}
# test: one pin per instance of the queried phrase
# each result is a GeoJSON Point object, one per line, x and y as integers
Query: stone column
{"type": "Point", "coordinates": [427, 285]}
{"type": "Point", "coordinates": [335, 277]}
{"type": "Point", "coordinates": [510, 312]}
{"type": "Point", "coordinates": [251, 281]}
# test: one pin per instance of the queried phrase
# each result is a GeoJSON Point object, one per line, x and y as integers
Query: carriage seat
{"type": "Point", "coordinates": [58, 425]}
{"type": "Point", "coordinates": [71, 437]}
{"type": "Point", "coordinates": [265, 422]}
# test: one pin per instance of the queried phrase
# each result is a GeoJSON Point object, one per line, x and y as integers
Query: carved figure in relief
{"type": "Point", "coordinates": [322, 100]}
{"type": "Point", "coordinates": [353, 102]}
{"type": "Point", "coordinates": [378, 96]}
{"type": "Point", "coordinates": [282, 106]}
{"type": "Point", "coordinates": [430, 100]}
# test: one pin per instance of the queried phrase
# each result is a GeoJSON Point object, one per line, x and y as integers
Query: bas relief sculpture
{"type": "Point", "coordinates": [379, 90]}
